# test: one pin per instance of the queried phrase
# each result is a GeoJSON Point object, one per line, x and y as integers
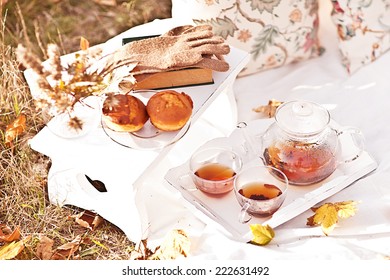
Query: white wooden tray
{"type": "Point", "coordinates": [225, 209]}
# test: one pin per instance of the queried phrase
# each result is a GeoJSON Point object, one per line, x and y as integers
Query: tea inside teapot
{"type": "Point", "coordinates": [303, 163]}
{"type": "Point", "coordinates": [301, 143]}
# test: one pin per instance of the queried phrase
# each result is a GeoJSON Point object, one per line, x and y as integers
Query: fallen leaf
{"type": "Point", "coordinates": [88, 219]}
{"type": "Point", "coordinates": [142, 252]}
{"type": "Point", "coordinates": [176, 244]}
{"type": "Point", "coordinates": [14, 129]}
{"type": "Point", "coordinates": [11, 250]}
{"type": "Point", "coordinates": [45, 248]}
{"type": "Point", "coordinates": [346, 209]}
{"type": "Point", "coordinates": [269, 109]}
{"type": "Point", "coordinates": [66, 250]}
{"type": "Point", "coordinates": [328, 214]}
{"type": "Point", "coordinates": [84, 44]}
{"type": "Point", "coordinates": [262, 235]}
{"type": "Point", "coordinates": [7, 235]}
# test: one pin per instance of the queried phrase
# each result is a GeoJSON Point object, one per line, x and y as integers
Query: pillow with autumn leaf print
{"type": "Point", "coordinates": [363, 28]}
{"type": "Point", "coordinates": [274, 32]}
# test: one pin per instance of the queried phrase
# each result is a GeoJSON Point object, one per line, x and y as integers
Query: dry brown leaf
{"type": "Point", "coordinates": [88, 219]}
{"type": "Point", "coordinates": [84, 44]}
{"type": "Point", "coordinates": [269, 109]}
{"type": "Point", "coordinates": [328, 214]}
{"type": "Point", "coordinates": [176, 244]}
{"type": "Point", "coordinates": [66, 250]}
{"type": "Point", "coordinates": [11, 250]}
{"type": "Point", "coordinates": [45, 248]}
{"type": "Point", "coordinates": [262, 235]}
{"type": "Point", "coordinates": [14, 129]}
{"type": "Point", "coordinates": [142, 252]}
{"type": "Point", "coordinates": [7, 235]}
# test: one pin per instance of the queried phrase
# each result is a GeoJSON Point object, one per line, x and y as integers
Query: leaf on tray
{"type": "Point", "coordinates": [328, 214]}
{"type": "Point", "coordinates": [262, 235]}
{"type": "Point", "coordinates": [269, 109]}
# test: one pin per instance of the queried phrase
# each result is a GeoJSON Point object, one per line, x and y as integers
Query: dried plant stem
{"type": "Point", "coordinates": [24, 29]}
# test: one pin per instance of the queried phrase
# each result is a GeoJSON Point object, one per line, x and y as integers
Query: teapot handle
{"type": "Point", "coordinates": [353, 143]}
{"type": "Point", "coordinates": [250, 146]}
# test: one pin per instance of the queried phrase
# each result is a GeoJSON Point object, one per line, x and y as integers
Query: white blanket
{"type": "Point", "coordinates": [361, 100]}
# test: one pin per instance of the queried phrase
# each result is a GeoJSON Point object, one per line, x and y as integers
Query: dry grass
{"type": "Point", "coordinates": [23, 172]}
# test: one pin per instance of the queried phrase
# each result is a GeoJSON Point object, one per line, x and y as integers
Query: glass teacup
{"type": "Point", "coordinates": [259, 192]}
{"type": "Point", "coordinates": [213, 169]}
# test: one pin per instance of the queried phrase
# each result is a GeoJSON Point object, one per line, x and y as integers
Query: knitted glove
{"type": "Point", "coordinates": [179, 48]}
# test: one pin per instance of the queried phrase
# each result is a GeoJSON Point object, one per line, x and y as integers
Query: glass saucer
{"type": "Point", "coordinates": [147, 138]}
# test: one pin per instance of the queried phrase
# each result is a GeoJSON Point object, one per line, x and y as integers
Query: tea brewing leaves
{"type": "Point", "coordinates": [260, 191]}
{"type": "Point", "coordinates": [328, 214]}
{"type": "Point", "coordinates": [262, 235]}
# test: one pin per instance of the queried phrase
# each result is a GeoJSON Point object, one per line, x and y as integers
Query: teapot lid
{"type": "Point", "coordinates": [302, 117]}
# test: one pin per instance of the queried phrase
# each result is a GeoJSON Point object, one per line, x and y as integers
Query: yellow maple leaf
{"type": "Point", "coordinates": [328, 214]}
{"type": "Point", "coordinates": [262, 235]}
{"type": "Point", "coordinates": [346, 209]}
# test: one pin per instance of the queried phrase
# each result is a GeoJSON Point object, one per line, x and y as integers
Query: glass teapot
{"type": "Point", "coordinates": [303, 144]}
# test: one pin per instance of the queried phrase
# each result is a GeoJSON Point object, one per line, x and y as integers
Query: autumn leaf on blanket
{"type": "Point", "coordinates": [269, 109]}
{"type": "Point", "coordinates": [262, 235]}
{"type": "Point", "coordinates": [88, 219]}
{"type": "Point", "coordinates": [176, 244]}
{"type": "Point", "coordinates": [11, 250]}
{"type": "Point", "coordinates": [328, 214]}
{"type": "Point", "coordinates": [14, 129]}
{"type": "Point", "coordinates": [8, 235]}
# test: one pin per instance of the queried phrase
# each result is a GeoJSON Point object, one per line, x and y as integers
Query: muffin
{"type": "Point", "coordinates": [169, 110]}
{"type": "Point", "coordinates": [124, 113]}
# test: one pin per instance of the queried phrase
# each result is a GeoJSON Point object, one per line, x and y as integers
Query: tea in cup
{"type": "Point", "coordinates": [259, 192]}
{"type": "Point", "coordinates": [213, 169]}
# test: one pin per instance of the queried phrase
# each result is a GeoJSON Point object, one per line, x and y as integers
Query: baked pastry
{"type": "Point", "coordinates": [124, 113]}
{"type": "Point", "coordinates": [169, 110]}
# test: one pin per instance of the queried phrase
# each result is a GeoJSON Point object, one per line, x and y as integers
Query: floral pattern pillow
{"type": "Point", "coordinates": [363, 28]}
{"type": "Point", "coordinates": [274, 32]}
